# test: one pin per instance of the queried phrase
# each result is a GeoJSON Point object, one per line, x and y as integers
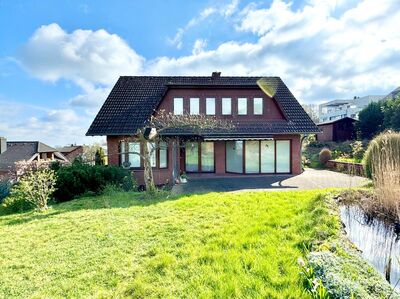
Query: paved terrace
{"type": "Point", "coordinates": [309, 179]}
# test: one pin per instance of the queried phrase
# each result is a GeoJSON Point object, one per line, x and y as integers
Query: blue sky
{"type": "Point", "coordinates": [59, 59]}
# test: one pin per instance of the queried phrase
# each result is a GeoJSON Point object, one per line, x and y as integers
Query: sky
{"type": "Point", "coordinates": [60, 59]}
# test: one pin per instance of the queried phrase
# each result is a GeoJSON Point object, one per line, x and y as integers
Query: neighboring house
{"type": "Point", "coordinates": [71, 152]}
{"type": "Point", "coordinates": [16, 151]}
{"type": "Point", "coordinates": [337, 130]}
{"type": "Point", "coordinates": [265, 139]}
{"type": "Point", "coordinates": [338, 109]}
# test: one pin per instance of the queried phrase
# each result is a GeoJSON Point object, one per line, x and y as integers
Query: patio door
{"type": "Point", "coordinates": [283, 156]}
{"type": "Point", "coordinates": [199, 157]}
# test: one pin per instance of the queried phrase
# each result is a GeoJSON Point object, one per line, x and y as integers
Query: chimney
{"type": "Point", "coordinates": [215, 75]}
{"type": "Point", "coordinates": [3, 145]}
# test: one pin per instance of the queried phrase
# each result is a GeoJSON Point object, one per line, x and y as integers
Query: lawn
{"type": "Point", "coordinates": [213, 245]}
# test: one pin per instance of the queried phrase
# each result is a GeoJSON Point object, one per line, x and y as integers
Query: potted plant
{"type": "Point", "coordinates": [183, 177]}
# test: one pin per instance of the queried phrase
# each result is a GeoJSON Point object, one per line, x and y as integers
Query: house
{"type": "Point", "coordinates": [16, 151]}
{"type": "Point", "coordinates": [338, 109]}
{"type": "Point", "coordinates": [71, 152]}
{"type": "Point", "coordinates": [264, 140]}
{"type": "Point", "coordinates": [337, 130]}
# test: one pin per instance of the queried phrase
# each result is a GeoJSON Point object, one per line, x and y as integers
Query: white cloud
{"type": "Point", "coordinates": [225, 10]}
{"type": "Point", "coordinates": [199, 46]}
{"type": "Point", "coordinates": [94, 56]}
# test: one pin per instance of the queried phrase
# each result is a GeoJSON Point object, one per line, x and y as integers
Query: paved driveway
{"type": "Point", "coordinates": [309, 179]}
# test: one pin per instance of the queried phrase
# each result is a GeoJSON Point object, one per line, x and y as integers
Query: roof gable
{"type": "Point", "coordinates": [133, 99]}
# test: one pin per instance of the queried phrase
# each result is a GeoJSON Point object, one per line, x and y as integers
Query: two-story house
{"type": "Point", "coordinates": [265, 138]}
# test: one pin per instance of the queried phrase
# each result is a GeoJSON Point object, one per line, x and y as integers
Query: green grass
{"type": "Point", "coordinates": [217, 245]}
{"type": "Point", "coordinates": [348, 160]}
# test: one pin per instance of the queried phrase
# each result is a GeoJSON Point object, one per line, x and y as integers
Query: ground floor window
{"type": "Point", "coordinates": [199, 156]}
{"type": "Point", "coordinates": [129, 152]}
{"type": "Point", "coordinates": [265, 156]}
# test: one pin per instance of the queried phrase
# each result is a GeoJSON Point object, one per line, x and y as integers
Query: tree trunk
{"type": "Point", "coordinates": [148, 171]}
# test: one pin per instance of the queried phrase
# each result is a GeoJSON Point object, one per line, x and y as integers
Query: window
{"type": "Point", "coordinates": [282, 156]}
{"type": "Point", "coordinates": [133, 157]}
{"type": "Point", "coordinates": [207, 156]}
{"type": "Point", "coordinates": [226, 106]}
{"type": "Point", "coordinates": [252, 157]}
{"type": "Point", "coordinates": [242, 106]}
{"type": "Point", "coordinates": [122, 152]}
{"type": "Point", "coordinates": [194, 106]}
{"type": "Point", "coordinates": [267, 156]}
{"type": "Point", "coordinates": [153, 154]}
{"type": "Point", "coordinates": [258, 106]}
{"type": "Point", "coordinates": [234, 156]}
{"type": "Point", "coordinates": [178, 106]}
{"type": "Point", "coordinates": [192, 156]}
{"type": "Point", "coordinates": [210, 106]}
{"type": "Point", "coordinates": [163, 163]}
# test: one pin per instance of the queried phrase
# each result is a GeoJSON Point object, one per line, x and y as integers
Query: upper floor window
{"type": "Point", "coordinates": [194, 106]}
{"type": "Point", "coordinates": [178, 106]}
{"type": "Point", "coordinates": [258, 106]}
{"type": "Point", "coordinates": [242, 106]}
{"type": "Point", "coordinates": [210, 106]}
{"type": "Point", "coordinates": [226, 106]}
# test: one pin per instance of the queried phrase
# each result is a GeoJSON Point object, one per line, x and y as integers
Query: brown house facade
{"type": "Point", "coordinates": [337, 130]}
{"type": "Point", "coordinates": [265, 138]}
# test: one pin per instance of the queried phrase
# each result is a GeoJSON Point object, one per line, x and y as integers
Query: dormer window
{"type": "Point", "coordinates": [178, 106]}
{"type": "Point", "coordinates": [226, 106]}
{"type": "Point", "coordinates": [258, 106]}
{"type": "Point", "coordinates": [210, 106]}
{"type": "Point", "coordinates": [242, 106]}
{"type": "Point", "coordinates": [194, 106]}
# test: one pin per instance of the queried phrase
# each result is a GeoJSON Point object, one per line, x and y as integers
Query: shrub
{"type": "Point", "coordinates": [36, 187]}
{"type": "Point", "coordinates": [325, 155]}
{"type": "Point", "coordinates": [5, 187]}
{"type": "Point", "coordinates": [382, 164]}
{"type": "Point", "coordinates": [16, 202]}
{"type": "Point", "coordinates": [78, 179]}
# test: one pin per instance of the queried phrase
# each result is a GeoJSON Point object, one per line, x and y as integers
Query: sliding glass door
{"type": "Point", "coordinates": [267, 156]}
{"type": "Point", "coordinates": [234, 156]}
{"type": "Point", "coordinates": [282, 156]}
{"type": "Point", "coordinates": [192, 156]}
{"type": "Point", "coordinates": [252, 151]}
{"type": "Point", "coordinates": [199, 156]}
{"type": "Point", "coordinates": [207, 157]}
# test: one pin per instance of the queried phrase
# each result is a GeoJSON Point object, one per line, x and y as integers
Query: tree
{"type": "Point", "coordinates": [391, 110]}
{"type": "Point", "coordinates": [36, 187]}
{"type": "Point", "coordinates": [89, 153]}
{"type": "Point", "coordinates": [151, 134]}
{"type": "Point", "coordinates": [99, 157]}
{"type": "Point", "coordinates": [370, 121]}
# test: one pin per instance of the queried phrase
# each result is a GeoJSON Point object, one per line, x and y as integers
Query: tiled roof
{"type": "Point", "coordinates": [336, 120]}
{"type": "Point", "coordinates": [21, 150]}
{"type": "Point", "coordinates": [134, 98]}
{"type": "Point", "coordinates": [68, 149]}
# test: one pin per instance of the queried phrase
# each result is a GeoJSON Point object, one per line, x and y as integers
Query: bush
{"type": "Point", "coordinates": [36, 187]}
{"type": "Point", "coordinates": [78, 179]}
{"type": "Point", "coordinates": [325, 155]}
{"type": "Point", "coordinates": [5, 187]}
{"type": "Point", "coordinates": [15, 202]}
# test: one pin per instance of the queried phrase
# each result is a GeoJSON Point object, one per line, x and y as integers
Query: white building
{"type": "Point", "coordinates": [338, 109]}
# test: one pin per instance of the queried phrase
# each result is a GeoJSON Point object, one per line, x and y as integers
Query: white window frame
{"type": "Point", "coordinates": [134, 156]}
{"type": "Point", "coordinates": [254, 106]}
{"type": "Point", "coordinates": [210, 106]}
{"type": "Point", "coordinates": [239, 102]}
{"type": "Point", "coordinates": [178, 106]}
{"type": "Point", "coordinates": [194, 106]}
{"type": "Point", "coordinates": [225, 102]}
